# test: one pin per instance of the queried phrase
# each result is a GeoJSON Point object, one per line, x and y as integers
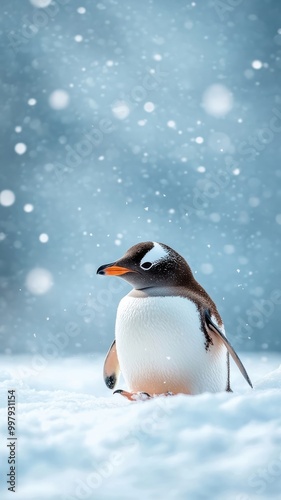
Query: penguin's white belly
{"type": "Point", "coordinates": [161, 347]}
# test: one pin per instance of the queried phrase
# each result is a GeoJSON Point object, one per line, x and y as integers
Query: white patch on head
{"type": "Point", "coordinates": [154, 255]}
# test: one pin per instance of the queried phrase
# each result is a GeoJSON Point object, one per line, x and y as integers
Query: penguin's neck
{"type": "Point", "coordinates": [196, 294]}
{"type": "Point", "coordinates": [157, 291]}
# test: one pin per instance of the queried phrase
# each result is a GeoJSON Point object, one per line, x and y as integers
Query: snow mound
{"type": "Point", "coordinates": [77, 441]}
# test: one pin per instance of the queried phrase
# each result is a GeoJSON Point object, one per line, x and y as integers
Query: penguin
{"type": "Point", "coordinates": [169, 335]}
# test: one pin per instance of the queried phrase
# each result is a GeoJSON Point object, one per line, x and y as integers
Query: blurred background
{"type": "Point", "coordinates": [131, 121]}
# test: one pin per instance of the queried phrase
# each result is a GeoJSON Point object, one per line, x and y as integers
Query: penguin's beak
{"type": "Point", "coordinates": [113, 270]}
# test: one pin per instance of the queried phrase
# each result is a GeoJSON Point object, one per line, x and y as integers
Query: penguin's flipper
{"type": "Point", "coordinates": [111, 368]}
{"type": "Point", "coordinates": [214, 328]}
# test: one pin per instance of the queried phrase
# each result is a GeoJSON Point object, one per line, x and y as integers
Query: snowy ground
{"type": "Point", "coordinates": [77, 441]}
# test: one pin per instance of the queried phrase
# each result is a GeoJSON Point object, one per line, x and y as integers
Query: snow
{"type": "Point", "coordinates": [40, 3]}
{"type": "Point", "coordinates": [43, 238]}
{"type": "Point", "coordinates": [120, 110]}
{"type": "Point", "coordinates": [20, 147]}
{"type": "Point", "coordinates": [149, 107]}
{"type": "Point", "coordinates": [28, 207]}
{"type": "Point", "coordinates": [78, 441]}
{"type": "Point", "coordinates": [201, 169]}
{"type": "Point", "coordinates": [81, 10]}
{"type": "Point", "coordinates": [217, 100]}
{"type": "Point", "coordinates": [171, 124]}
{"type": "Point", "coordinates": [257, 64]}
{"type": "Point", "coordinates": [39, 280]}
{"type": "Point", "coordinates": [31, 101]}
{"type": "Point", "coordinates": [59, 99]}
{"type": "Point", "coordinates": [7, 198]}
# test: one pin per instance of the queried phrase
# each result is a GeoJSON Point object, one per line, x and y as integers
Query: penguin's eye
{"type": "Point", "coordinates": [146, 265]}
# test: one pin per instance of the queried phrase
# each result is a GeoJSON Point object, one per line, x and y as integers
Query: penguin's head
{"type": "Point", "coordinates": [150, 264]}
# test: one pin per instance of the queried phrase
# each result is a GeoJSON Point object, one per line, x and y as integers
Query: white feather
{"type": "Point", "coordinates": [161, 347]}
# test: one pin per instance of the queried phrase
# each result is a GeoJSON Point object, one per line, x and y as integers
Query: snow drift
{"type": "Point", "coordinates": [76, 441]}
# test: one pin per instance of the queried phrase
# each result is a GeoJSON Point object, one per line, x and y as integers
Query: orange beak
{"type": "Point", "coordinates": [116, 271]}
{"type": "Point", "coordinates": [112, 270]}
